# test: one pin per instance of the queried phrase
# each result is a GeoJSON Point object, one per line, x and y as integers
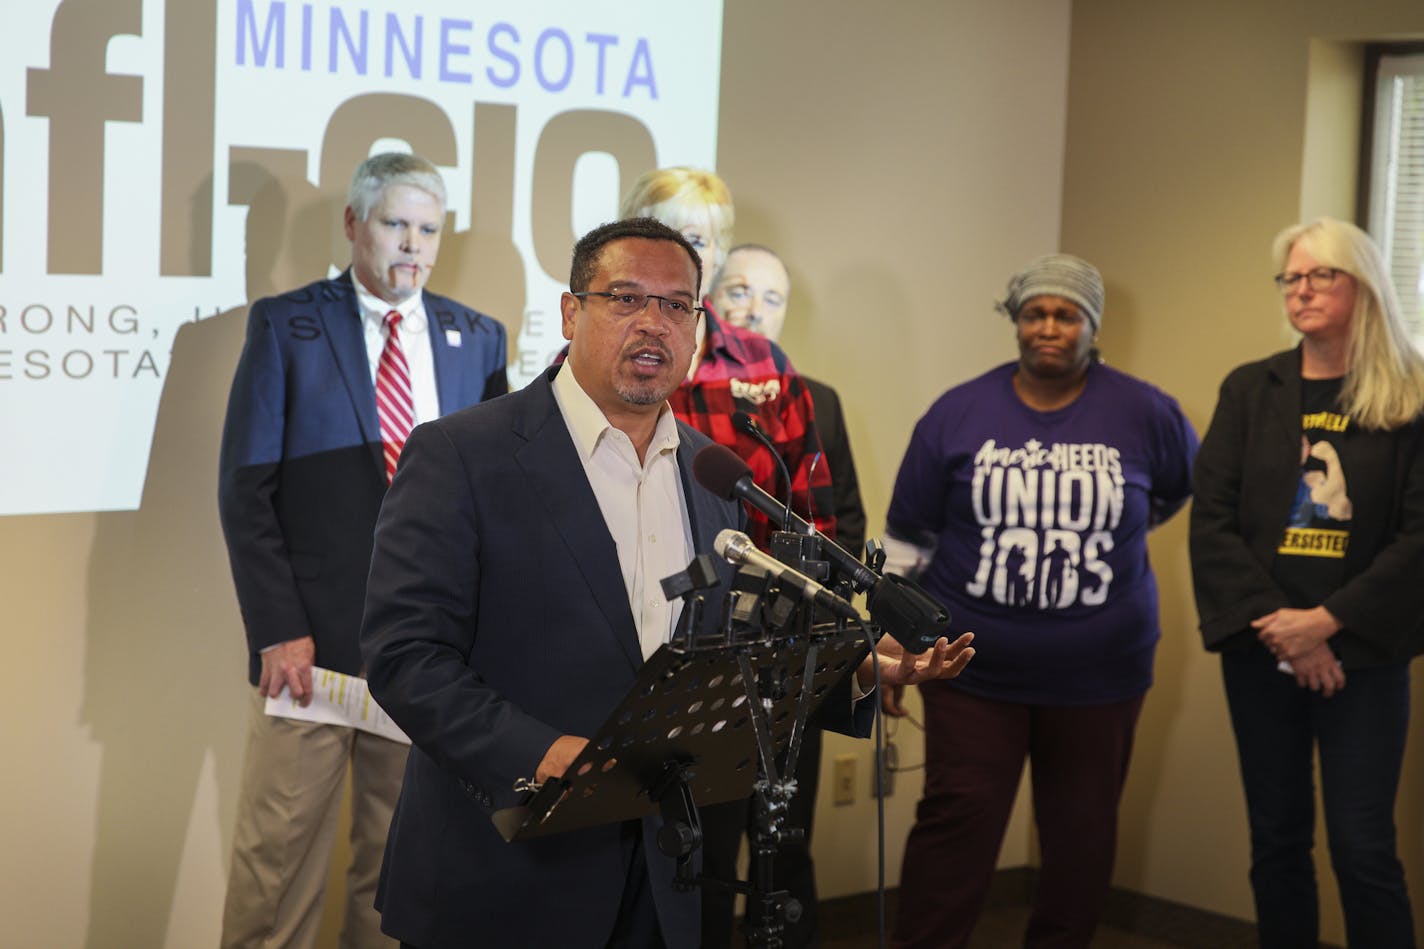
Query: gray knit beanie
{"type": "Point", "coordinates": [1059, 275]}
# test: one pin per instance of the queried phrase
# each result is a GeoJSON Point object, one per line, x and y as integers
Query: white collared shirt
{"type": "Point", "coordinates": [415, 342]}
{"type": "Point", "coordinates": [642, 504]}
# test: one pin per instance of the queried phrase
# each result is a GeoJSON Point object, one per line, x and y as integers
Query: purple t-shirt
{"type": "Point", "coordinates": [1040, 521]}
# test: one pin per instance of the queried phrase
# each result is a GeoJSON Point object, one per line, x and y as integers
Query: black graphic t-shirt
{"type": "Point", "coordinates": [1311, 558]}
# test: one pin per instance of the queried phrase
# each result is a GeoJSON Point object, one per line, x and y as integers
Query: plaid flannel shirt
{"type": "Point", "coordinates": [746, 372]}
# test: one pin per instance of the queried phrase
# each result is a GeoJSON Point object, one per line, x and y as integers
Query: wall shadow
{"type": "Point", "coordinates": [165, 669]}
{"type": "Point", "coordinates": [164, 684]}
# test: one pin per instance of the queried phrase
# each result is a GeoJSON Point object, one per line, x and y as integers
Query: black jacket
{"type": "Point", "coordinates": [845, 485]}
{"type": "Point", "coordinates": [1246, 473]}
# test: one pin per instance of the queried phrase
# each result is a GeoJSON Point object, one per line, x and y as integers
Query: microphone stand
{"type": "Point", "coordinates": [769, 908]}
{"type": "Point", "coordinates": [772, 798]}
{"type": "Point", "coordinates": [745, 423]}
{"type": "Point", "coordinates": [684, 734]}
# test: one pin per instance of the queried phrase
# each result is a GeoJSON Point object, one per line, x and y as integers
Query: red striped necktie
{"type": "Point", "coordinates": [394, 405]}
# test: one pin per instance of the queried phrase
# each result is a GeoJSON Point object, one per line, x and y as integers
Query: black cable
{"type": "Point", "coordinates": [743, 422]}
{"type": "Point", "coordinates": [879, 798]}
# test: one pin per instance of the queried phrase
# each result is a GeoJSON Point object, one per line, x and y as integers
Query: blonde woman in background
{"type": "Point", "coordinates": [695, 202]}
{"type": "Point", "coordinates": [1315, 602]}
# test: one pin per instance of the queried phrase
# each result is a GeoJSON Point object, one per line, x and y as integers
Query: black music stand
{"type": "Point", "coordinates": [703, 723]}
{"type": "Point", "coordinates": [692, 711]}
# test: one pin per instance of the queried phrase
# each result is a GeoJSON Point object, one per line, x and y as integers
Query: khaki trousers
{"type": "Point", "coordinates": [293, 777]}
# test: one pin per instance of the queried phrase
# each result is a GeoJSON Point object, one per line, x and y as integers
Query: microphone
{"type": "Point", "coordinates": [898, 605]}
{"type": "Point", "coordinates": [737, 548]}
{"type": "Point", "coordinates": [719, 469]}
{"type": "Point", "coordinates": [743, 422]}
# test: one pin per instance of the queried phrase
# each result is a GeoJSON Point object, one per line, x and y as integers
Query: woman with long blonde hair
{"type": "Point", "coordinates": [1307, 543]}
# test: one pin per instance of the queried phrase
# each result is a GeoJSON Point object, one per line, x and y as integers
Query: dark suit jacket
{"type": "Point", "coordinates": [301, 475]}
{"type": "Point", "coordinates": [497, 620]}
{"type": "Point", "coordinates": [1246, 474]}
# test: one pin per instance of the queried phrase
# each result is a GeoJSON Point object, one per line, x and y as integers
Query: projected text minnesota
{"type": "Point", "coordinates": [362, 42]}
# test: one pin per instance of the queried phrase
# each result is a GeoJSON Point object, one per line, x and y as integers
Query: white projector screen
{"type": "Point", "coordinates": [166, 161]}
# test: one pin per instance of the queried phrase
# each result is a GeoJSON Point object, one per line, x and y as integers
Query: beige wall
{"type": "Point", "coordinates": [1186, 153]}
{"type": "Point", "coordinates": [908, 162]}
{"type": "Point", "coordinates": [904, 158]}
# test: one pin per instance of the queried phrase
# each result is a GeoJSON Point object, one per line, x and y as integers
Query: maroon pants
{"type": "Point", "coordinates": [975, 751]}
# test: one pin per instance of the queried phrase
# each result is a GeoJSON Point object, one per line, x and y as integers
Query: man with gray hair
{"type": "Point", "coordinates": [331, 380]}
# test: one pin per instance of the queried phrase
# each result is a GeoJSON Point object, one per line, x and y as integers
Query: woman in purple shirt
{"type": "Point", "coordinates": [1023, 503]}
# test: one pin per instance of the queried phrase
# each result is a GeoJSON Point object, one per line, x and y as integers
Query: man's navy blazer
{"type": "Point", "coordinates": [496, 621]}
{"type": "Point", "coordinates": [301, 474]}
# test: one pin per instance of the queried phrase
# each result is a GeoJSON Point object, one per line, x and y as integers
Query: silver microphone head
{"type": "Point", "coordinates": [732, 545]}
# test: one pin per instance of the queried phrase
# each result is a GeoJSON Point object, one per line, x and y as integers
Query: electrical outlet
{"type": "Point", "coordinates": [843, 780]}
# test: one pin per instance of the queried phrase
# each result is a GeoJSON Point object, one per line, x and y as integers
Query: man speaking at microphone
{"type": "Point", "coordinates": [514, 593]}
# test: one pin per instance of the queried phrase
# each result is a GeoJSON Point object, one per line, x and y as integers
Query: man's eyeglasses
{"type": "Point", "coordinates": [1319, 280]}
{"type": "Point", "coordinates": [627, 304]}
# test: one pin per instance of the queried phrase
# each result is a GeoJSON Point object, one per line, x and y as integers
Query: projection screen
{"type": "Point", "coordinates": [164, 162]}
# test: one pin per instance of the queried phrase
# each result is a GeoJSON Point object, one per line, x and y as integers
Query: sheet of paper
{"type": "Point", "coordinates": [338, 699]}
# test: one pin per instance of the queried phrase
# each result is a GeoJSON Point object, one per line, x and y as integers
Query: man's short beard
{"type": "Point", "coordinates": [645, 394]}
